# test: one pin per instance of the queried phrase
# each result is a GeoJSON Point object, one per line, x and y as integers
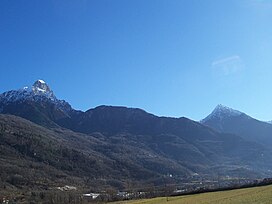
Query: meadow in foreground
{"type": "Point", "coordinates": [256, 195]}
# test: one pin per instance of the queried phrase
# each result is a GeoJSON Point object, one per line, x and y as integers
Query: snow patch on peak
{"type": "Point", "coordinates": [41, 81]}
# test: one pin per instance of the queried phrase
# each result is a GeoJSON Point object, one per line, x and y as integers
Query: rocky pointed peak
{"type": "Point", "coordinates": [38, 92]}
{"type": "Point", "coordinates": [40, 86]}
{"type": "Point", "coordinates": [221, 112]}
{"type": "Point", "coordinates": [224, 109]}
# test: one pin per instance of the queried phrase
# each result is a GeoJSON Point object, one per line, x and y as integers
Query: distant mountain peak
{"type": "Point", "coordinates": [222, 111]}
{"type": "Point", "coordinates": [220, 108]}
{"type": "Point", "coordinates": [39, 91]}
{"type": "Point", "coordinates": [40, 87]}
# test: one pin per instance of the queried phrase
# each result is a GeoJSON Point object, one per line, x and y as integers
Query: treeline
{"type": "Point", "coordinates": [256, 183]}
{"type": "Point", "coordinates": [55, 196]}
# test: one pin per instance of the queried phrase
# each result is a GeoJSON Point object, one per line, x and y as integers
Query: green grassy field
{"type": "Point", "coordinates": [241, 196]}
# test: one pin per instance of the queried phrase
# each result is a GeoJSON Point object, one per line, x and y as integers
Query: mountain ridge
{"type": "Point", "coordinates": [142, 144]}
{"type": "Point", "coordinates": [240, 124]}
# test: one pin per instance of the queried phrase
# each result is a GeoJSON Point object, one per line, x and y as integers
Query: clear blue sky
{"type": "Point", "coordinates": [169, 57]}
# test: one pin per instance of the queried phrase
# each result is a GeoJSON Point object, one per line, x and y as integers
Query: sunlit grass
{"type": "Point", "coordinates": [257, 195]}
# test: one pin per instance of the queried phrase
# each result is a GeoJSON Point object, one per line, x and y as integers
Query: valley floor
{"type": "Point", "coordinates": [256, 195]}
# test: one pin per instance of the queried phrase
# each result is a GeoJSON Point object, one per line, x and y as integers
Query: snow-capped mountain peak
{"type": "Point", "coordinates": [40, 84]}
{"type": "Point", "coordinates": [38, 92]}
{"type": "Point", "coordinates": [221, 112]}
{"type": "Point", "coordinates": [41, 88]}
{"type": "Point", "coordinates": [226, 110]}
